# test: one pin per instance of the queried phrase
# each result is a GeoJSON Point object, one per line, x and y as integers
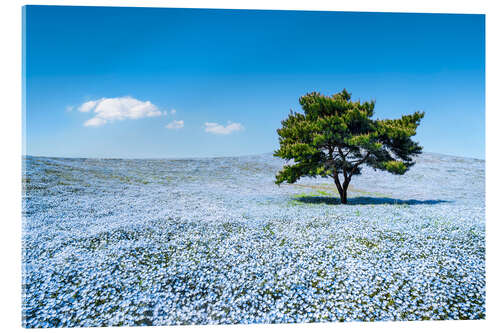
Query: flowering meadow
{"type": "Point", "coordinates": [110, 242]}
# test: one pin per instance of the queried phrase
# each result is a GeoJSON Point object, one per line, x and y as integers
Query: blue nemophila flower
{"type": "Point", "coordinates": [210, 241]}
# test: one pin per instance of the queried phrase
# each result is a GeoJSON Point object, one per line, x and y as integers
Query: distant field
{"type": "Point", "coordinates": [201, 241]}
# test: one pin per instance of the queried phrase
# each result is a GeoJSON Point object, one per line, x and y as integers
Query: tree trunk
{"type": "Point", "coordinates": [343, 193]}
{"type": "Point", "coordinates": [343, 196]}
{"type": "Point", "coordinates": [341, 189]}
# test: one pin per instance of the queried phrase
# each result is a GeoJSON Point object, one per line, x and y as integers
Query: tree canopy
{"type": "Point", "coordinates": [336, 136]}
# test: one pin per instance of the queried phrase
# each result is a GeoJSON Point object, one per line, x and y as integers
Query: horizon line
{"type": "Point", "coordinates": [204, 157]}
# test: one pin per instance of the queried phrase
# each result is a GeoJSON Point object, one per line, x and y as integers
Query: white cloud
{"type": "Point", "coordinates": [174, 111]}
{"type": "Point", "coordinates": [120, 108]}
{"type": "Point", "coordinates": [87, 106]}
{"type": "Point", "coordinates": [176, 124]}
{"type": "Point", "coordinates": [96, 121]}
{"type": "Point", "coordinates": [215, 128]}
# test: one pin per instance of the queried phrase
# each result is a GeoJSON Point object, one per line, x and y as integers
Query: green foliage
{"type": "Point", "coordinates": [395, 167]}
{"type": "Point", "coordinates": [335, 136]}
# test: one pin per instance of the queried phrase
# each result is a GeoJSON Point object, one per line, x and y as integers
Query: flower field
{"type": "Point", "coordinates": [109, 242]}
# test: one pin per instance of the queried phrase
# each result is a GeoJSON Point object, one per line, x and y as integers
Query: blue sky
{"type": "Point", "coordinates": [103, 82]}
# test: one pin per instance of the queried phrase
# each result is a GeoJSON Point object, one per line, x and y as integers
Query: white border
{"type": "Point", "coordinates": [10, 132]}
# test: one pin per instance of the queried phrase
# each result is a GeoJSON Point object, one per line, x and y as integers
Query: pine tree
{"type": "Point", "coordinates": [336, 136]}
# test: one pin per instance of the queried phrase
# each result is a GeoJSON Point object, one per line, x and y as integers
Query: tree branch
{"type": "Point", "coordinates": [350, 151]}
{"type": "Point", "coordinates": [337, 181]}
{"type": "Point", "coordinates": [358, 164]}
{"type": "Point", "coordinates": [344, 169]}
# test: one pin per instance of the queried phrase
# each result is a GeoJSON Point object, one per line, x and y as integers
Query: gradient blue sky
{"type": "Point", "coordinates": [247, 67]}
